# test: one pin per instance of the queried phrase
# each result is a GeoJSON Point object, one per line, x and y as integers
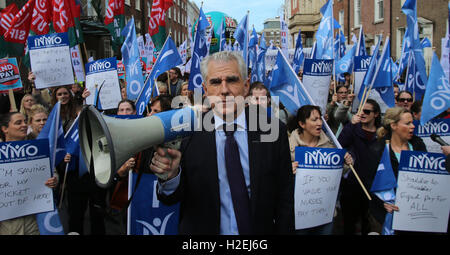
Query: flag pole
{"type": "Point", "coordinates": [360, 182]}
{"type": "Point", "coordinates": [63, 186]}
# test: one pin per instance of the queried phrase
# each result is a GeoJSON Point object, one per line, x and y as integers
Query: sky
{"type": "Point", "coordinates": [260, 10]}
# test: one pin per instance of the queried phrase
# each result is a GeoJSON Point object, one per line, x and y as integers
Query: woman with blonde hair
{"type": "Point", "coordinates": [25, 104]}
{"type": "Point", "coordinates": [36, 120]}
{"type": "Point", "coordinates": [398, 128]}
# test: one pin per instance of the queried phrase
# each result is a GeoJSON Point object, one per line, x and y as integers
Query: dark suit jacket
{"type": "Point", "coordinates": [271, 184]}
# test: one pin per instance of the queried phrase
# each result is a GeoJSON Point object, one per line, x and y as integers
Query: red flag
{"type": "Point", "coordinates": [6, 17]}
{"type": "Point", "coordinates": [158, 15]}
{"type": "Point", "coordinates": [62, 16]}
{"type": "Point", "coordinates": [42, 16]}
{"type": "Point", "coordinates": [114, 8]}
{"type": "Point", "coordinates": [20, 25]}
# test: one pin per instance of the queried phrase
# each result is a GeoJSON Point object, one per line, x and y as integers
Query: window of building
{"type": "Point", "coordinates": [379, 10]}
{"type": "Point", "coordinates": [341, 19]}
{"type": "Point", "coordinates": [127, 2]}
{"type": "Point", "coordinates": [138, 5]}
{"type": "Point", "coordinates": [175, 14]}
{"type": "Point", "coordinates": [107, 48]}
{"type": "Point", "coordinates": [357, 13]}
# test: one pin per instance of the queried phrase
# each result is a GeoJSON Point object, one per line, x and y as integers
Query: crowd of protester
{"type": "Point", "coordinates": [362, 134]}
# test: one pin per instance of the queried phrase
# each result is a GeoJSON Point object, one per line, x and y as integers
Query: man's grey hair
{"type": "Point", "coordinates": [224, 56]}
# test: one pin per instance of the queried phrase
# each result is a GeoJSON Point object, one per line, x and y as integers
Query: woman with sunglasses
{"type": "Point", "coordinates": [405, 99]}
{"type": "Point", "coordinates": [357, 136]}
{"type": "Point", "coordinates": [398, 128]}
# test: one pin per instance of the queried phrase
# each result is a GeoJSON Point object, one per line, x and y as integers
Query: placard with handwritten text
{"type": "Point", "coordinates": [103, 71]}
{"type": "Point", "coordinates": [440, 127]}
{"type": "Point", "coordinates": [24, 169]}
{"type": "Point", "coordinates": [423, 193]}
{"type": "Point", "coordinates": [50, 60]}
{"type": "Point", "coordinates": [316, 185]}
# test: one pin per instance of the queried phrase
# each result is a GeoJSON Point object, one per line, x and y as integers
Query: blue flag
{"type": "Point", "coordinates": [314, 51]}
{"type": "Point", "coordinates": [132, 61]}
{"type": "Point", "coordinates": [413, 82]}
{"type": "Point", "coordinates": [345, 64]}
{"type": "Point", "coordinates": [53, 131]}
{"type": "Point", "coordinates": [425, 43]}
{"type": "Point", "coordinates": [286, 85]}
{"type": "Point", "coordinates": [384, 185]}
{"type": "Point", "coordinates": [369, 76]}
{"type": "Point", "coordinates": [241, 36]}
{"type": "Point", "coordinates": [49, 223]}
{"type": "Point", "coordinates": [437, 93]}
{"type": "Point", "coordinates": [261, 67]}
{"type": "Point", "coordinates": [324, 35]}
{"type": "Point", "coordinates": [383, 76]}
{"type": "Point", "coordinates": [168, 58]}
{"type": "Point", "coordinates": [361, 46]}
{"type": "Point", "coordinates": [147, 215]}
{"type": "Point", "coordinates": [298, 54]}
{"type": "Point", "coordinates": [72, 143]}
{"type": "Point", "coordinates": [200, 51]}
{"type": "Point", "coordinates": [410, 9]}
{"type": "Point", "coordinates": [262, 42]}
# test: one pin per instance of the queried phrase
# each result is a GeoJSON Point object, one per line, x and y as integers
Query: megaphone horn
{"type": "Point", "coordinates": [107, 142]}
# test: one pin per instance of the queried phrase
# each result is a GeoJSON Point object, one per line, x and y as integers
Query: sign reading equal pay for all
{"type": "Point", "coordinates": [316, 185]}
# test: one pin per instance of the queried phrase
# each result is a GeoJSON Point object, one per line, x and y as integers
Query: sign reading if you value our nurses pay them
{"type": "Point", "coordinates": [50, 60]}
{"type": "Point", "coordinates": [317, 182]}
{"type": "Point", "coordinates": [24, 169]}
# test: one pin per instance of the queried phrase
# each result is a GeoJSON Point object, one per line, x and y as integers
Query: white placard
{"type": "Point", "coordinates": [316, 78]}
{"type": "Point", "coordinates": [77, 63]}
{"type": "Point", "coordinates": [316, 185]}
{"type": "Point", "coordinates": [50, 60]}
{"type": "Point", "coordinates": [103, 71]}
{"type": "Point", "coordinates": [22, 179]}
{"type": "Point", "coordinates": [423, 193]}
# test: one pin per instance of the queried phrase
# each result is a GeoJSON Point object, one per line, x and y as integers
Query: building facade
{"type": "Point", "coordinates": [272, 31]}
{"type": "Point", "coordinates": [305, 16]}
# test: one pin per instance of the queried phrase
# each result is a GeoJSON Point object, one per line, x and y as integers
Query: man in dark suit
{"type": "Point", "coordinates": [203, 176]}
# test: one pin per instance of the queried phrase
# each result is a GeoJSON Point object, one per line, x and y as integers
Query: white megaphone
{"type": "Point", "coordinates": [107, 142]}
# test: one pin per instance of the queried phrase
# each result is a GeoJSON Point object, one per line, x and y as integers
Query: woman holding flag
{"type": "Point", "coordinates": [357, 136]}
{"type": "Point", "coordinates": [309, 133]}
{"type": "Point", "coordinates": [13, 127]}
{"type": "Point", "coordinates": [398, 128]}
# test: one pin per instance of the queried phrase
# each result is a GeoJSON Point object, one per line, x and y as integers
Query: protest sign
{"type": "Point", "coordinates": [316, 78]}
{"type": "Point", "coordinates": [146, 215]}
{"type": "Point", "coordinates": [77, 63]}
{"type": "Point", "coordinates": [9, 74]}
{"type": "Point", "coordinates": [440, 127]}
{"type": "Point", "coordinates": [120, 69]}
{"type": "Point", "coordinates": [423, 193]}
{"type": "Point", "coordinates": [103, 71]}
{"type": "Point", "coordinates": [271, 58]}
{"type": "Point", "coordinates": [24, 168]}
{"type": "Point", "coordinates": [50, 60]}
{"type": "Point", "coordinates": [316, 185]}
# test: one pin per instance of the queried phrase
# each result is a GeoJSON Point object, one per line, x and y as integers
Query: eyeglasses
{"type": "Point", "coordinates": [367, 111]}
{"type": "Point", "coordinates": [342, 92]}
{"type": "Point", "coordinates": [409, 100]}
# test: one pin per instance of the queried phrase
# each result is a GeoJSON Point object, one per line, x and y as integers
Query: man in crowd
{"type": "Point", "coordinates": [226, 180]}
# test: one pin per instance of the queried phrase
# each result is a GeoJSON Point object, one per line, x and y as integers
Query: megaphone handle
{"type": "Point", "coordinates": [163, 176]}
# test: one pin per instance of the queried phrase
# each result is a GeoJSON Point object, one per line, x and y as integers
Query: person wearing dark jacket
{"type": "Point", "coordinates": [356, 137]}
{"type": "Point", "coordinates": [398, 128]}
